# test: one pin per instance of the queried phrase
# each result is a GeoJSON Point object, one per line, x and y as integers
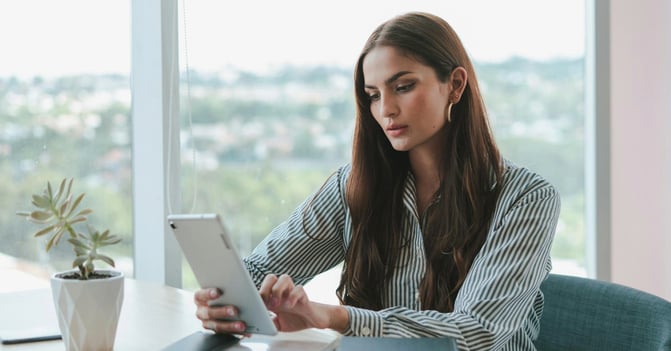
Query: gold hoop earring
{"type": "Point", "coordinates": [448, 116]}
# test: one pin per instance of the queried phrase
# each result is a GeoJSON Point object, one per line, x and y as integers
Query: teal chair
{"type": "Point", "coordinates": [588, 314]}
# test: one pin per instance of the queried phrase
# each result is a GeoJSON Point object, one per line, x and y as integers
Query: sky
{"type": "Point", "coordinates": [46, 37]}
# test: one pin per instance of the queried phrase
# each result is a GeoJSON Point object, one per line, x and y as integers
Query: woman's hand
{"type": "Point", "coordinates": [213, 316]}
{"type": "Point", "coordinates": [294, 310]}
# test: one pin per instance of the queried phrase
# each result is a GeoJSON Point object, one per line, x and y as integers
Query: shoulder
{"type": "Point", "coordinates": [340, 176]}
{"type": "Point", "coordinates": [336, 184]}
{"type": "Point", "coordinates": [521, 185]}
{"type": "Point", "coordinates": [344, 171]}
{"type": "Point", "coordinates": [527, 208]}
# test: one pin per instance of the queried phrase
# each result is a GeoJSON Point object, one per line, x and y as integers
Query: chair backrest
{"type": "Point", "coordinates": [588, 314]}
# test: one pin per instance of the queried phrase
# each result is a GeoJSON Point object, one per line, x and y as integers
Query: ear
{"type": "Point", "coordinates": [458, 80]}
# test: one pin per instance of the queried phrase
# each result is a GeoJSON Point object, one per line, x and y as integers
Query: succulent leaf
{"type": "Point", "coordinates": [44, 231]}
{"type": "Point", "coordinates": [78, 220]}
{"type": "Point", "coordinates": [84, 212]}
{"type": "Point", "coordinates": [110, 241]}
{"type": "Point", "coordinates": [78, 261]}
{"type": "Point", "coordinates": [54, 240]}
{"type": "Point", "coordinates": [41, 201]}
{"type": "Point", "coordinates": [75, 204]}
{"type": "Point", "coordinates": [69, 190]}
{"type": "Point", "coordinates": [77, 243]}
{"type": "Point", "coordinates": [106, 259]}
{"type": "Point", "coordinates": [64, 207]}
{"type": "Point", "coordinates": [58, 195]}
{"type": "Point", "coordinates": [40, 216]}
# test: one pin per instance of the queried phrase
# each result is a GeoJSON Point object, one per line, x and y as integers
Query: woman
{"type": "Point", "coordinates": [438, 235]}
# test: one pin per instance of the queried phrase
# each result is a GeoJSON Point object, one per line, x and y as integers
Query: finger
{"type": "Point", "coordinates": [277, 323]}
{"type": "Point", "coordinates": [203, 313]}
{"type": "Point", "coordinates": [266, 288]}
{"type": "Point", "coordinates": [202, 296]}
{"type": "Point", "coordinates": [230, 327]}
{"type": "Point", "coordinates": [216, 312]}
{"type": "Point", "coordinates": [283, 287]}
{"type": "Point", "coordinates": [297, 295]}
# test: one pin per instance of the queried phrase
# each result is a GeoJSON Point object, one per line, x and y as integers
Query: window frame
{"type": "Point", "coordinates": [155, 179]}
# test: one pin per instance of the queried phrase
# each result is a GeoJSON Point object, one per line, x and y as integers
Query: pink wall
{"type": "Point", "coordinates": [641, 144]}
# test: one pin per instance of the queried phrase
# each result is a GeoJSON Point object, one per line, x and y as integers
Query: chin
{"type": "Point", "coordinates": [400, 148]}
{"type": "Point", "coordinates": [401, 144]}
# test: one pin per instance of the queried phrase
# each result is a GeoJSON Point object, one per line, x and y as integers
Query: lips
{"type": "Point", "coordinates": [396, 130]}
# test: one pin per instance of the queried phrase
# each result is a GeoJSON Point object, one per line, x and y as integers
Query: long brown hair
{"type": "Point", "coordinates": [457, 225]}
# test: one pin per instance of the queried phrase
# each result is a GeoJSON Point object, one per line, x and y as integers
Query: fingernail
{"type": "Point", "coordinates": [212, 326]}
{"type": "Point", "coordinates": [214, 293]}
{"type": "Point", "coordinates": [231, 312]}
{"type": "Point", "coordinates": [240, 326]}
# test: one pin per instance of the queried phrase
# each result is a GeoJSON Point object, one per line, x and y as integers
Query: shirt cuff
{"type": "Point", "coordinates": [363, 322]}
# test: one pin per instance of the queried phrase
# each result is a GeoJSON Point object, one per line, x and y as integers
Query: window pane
{"type": "Point", "coordinates": [269, 94]}
{"type": "Point", "coordinates": [64, 113]}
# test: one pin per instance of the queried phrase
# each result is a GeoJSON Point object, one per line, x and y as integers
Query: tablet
{"type": "Point", "coordinates": [216, 263]}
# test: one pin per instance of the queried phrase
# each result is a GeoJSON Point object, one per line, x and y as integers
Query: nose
{"type": "Point", "coordinates": [388, 107]}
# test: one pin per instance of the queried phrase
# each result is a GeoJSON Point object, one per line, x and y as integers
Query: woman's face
{"type": "Point", "coordinates": [406, 99]}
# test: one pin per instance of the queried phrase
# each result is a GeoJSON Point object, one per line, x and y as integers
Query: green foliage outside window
{"type": "Point", "coordinates": [263, 142]}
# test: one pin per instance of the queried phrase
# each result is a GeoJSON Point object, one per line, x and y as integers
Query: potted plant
{"type": "Point", "coordinates": [87, 300]}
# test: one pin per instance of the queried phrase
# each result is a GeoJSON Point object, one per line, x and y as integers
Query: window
{"type": "Point", "coordinates": [269, 94]}
{"type": "Point", "coordinates": [64, 113]}
{"type": "Point", "coordinates": [266, 106]}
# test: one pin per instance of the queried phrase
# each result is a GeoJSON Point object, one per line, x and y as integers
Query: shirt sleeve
{"type": "Point", "coordinates": [500, 289]}
{"type": "Point", "coordinates": [309, 242]}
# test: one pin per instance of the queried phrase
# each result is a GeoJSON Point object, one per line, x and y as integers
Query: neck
{"type": "Point", "coordinates": [425, 168]}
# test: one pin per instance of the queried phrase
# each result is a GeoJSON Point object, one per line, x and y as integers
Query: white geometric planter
{"type": "Point", "coordinates": [88, 310]}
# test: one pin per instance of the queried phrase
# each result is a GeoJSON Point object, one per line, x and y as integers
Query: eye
{"type": "Point", "coordinates": [373, 96]}
{"type": "Point", "coordinates": [405, 87]}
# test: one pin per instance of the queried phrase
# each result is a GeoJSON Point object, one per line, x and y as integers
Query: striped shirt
{"type": "Point", "coordinates": [499, 304]}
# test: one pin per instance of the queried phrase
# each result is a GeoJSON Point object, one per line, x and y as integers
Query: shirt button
{"type": "Point", "coordinates": [417, 296]}
{"type": "Point", "coordinates": [365, 331]}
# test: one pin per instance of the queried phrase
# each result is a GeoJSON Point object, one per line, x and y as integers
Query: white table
{"type": "Point", "coordinates": [153, 316]}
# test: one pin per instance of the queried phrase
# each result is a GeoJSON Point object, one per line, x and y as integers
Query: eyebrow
{"type": "Point", "coordinates": [390, 79]}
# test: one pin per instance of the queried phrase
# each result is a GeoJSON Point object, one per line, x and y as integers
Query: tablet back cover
{"type": "Point", "coordinates": [215, 262]}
